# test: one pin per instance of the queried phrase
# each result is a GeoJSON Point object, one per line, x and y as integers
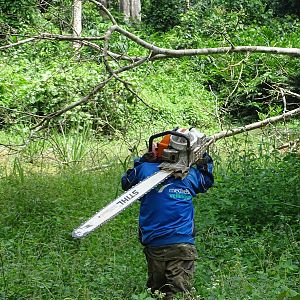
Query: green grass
{"type": "Point", "coordinates": [248, 239]}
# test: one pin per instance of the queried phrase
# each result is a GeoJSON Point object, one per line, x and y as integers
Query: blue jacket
{"type": "Point", "coordinates": [167, 212]}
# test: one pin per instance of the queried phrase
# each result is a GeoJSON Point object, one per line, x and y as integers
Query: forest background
{"type": "Point", "coordinates": [77, 107]}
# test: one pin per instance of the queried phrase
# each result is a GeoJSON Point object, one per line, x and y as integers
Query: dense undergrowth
{"type": "Point", "coordinates": [248, 234]}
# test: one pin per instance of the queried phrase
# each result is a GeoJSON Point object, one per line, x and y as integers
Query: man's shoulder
{"type": "Point", "coordinates": [148, 168]}
{"type": "Point", "coordinates": [149, 165]}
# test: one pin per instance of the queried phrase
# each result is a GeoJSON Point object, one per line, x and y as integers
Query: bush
{"type": "Point", "coordinates": [163, 15]}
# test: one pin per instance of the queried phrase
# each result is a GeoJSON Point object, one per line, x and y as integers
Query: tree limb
{"type": "Point", "coordinates": [204, 51]}
{"type": "Point", "coordinates": [230, 132]}
{"type": "Point", "coordinates": [290, 144]}
{"type": "Point", "coordinates": [21, 112]}
{"type": "Point", "coordinates": [107, 12]}
{"type": "Point", "coordinates": [74, 104]}
{"type": "Point", "coordinates": [32, 39]}
{"type": "Point", "coordinates": [161, 53]}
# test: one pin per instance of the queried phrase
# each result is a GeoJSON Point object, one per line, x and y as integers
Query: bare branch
{"type": "Point", "coordinates": [160, 53]}
{"type": "Point", "coordinates": [292, 94]}
{"type": "Point", "coordinates": [230, 132]}
{"type": "Point", "coordinates": [204, 51]}
{"type": "Point", "coordinates": [131, 66]}
{"type": "Point", "coordinates": [290, 144]}
{"type": "Point", "coordinates": [32, 39]}
{"type": "Point", "coordinates": [283, 99]}
{"type": "Point", "coordinates": [225, 50]}
{"type": "Point", "coordinates": [85, 99]}
{"type": "Point", "coordinates": [61, 37]}
{"type": "Point", "coordinates": [111, 54]}
{"type": "Point", "coordinates": [105, 10]}
{"type": "Point", "coordinates": [236, 85]}
{"type": "Point", "coordinates": [21, 112]}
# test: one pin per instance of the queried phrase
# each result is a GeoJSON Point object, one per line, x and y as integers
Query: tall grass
{"type": "Point", "coordinates": [248, 233]}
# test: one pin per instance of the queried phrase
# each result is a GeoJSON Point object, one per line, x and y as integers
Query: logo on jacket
{"type": "Point", "coordinates": [180, 193]}
{"type": "Point", "coordinates": [175, 193]}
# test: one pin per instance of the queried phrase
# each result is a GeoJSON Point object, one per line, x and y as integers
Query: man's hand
{"type": "Point", "coordinates": [149, 157]}
{"type": "Point", "coordinates": [205, 163]}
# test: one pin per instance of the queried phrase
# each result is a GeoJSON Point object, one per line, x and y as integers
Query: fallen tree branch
{"type": "Point", "coordinates": [106, 11]}
{"type": "Point", "coordinates": [21, 112]}
{"type": "Point", "coordinates": [60, 37]}
{"type": "Point", "coordinates": [230, 132]}
{"type": "Point", "coordinates": [32, 39]}
{"type": "Point", "coordinates": [83, 100]}
{"type": "Point", "coordinates": [292, 93]}
{"type": "Point", "coordinates": [167, 53]}
{"type": "Point", "coordinates": [290, 144]}
{"type": "Point", "coordinates": [161, 53]}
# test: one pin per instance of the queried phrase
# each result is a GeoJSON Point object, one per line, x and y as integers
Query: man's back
{"type": "Point", "coordinates": [166, 212]}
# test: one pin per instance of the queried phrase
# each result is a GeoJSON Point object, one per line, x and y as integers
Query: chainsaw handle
{"type": "Point", "coordinates": [172, 132]}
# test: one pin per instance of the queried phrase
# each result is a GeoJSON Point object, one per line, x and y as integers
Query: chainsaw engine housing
{"type": "Point", "coordinates": [180, 148]}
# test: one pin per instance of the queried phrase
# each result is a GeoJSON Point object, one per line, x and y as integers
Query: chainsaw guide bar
{"type": "Point", "coordinates": [119, 204]}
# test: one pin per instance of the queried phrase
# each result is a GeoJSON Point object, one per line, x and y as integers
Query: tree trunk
{"type": "Point", "coordinates": [131, 9]}
{"type": "Point", "coordinates": [125, 8]}
{"type": "Point", "coordinates": [77, 20]}
{"type": "Point", "coordinates": [135, 10]}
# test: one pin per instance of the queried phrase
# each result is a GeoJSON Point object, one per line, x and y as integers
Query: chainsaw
{"type": "Point", "coordinates": [178, 150]}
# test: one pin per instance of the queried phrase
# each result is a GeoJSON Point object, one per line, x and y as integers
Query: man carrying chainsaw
{"type": "Point", "coordinates": [166, 220]}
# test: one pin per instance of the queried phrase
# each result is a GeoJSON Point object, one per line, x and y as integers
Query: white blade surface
{"type": "Point", "coordinates": [119, 204]}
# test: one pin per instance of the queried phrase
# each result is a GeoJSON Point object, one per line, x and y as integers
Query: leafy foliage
{"type": "Point", "coordinates": [246, 245]}
{"type": "Point", "coordinates": [16, 14]}
{"type": "Point", "coordinates": [162, 15]}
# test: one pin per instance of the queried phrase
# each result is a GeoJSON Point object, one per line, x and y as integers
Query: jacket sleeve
{"type": "Point", "coordinates": [129, 178]}
{"type": "Point", "coordinates": [205, 177]}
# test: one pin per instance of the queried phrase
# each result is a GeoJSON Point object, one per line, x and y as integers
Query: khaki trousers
{"type": "Point", "coordinates": [171, 268]}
